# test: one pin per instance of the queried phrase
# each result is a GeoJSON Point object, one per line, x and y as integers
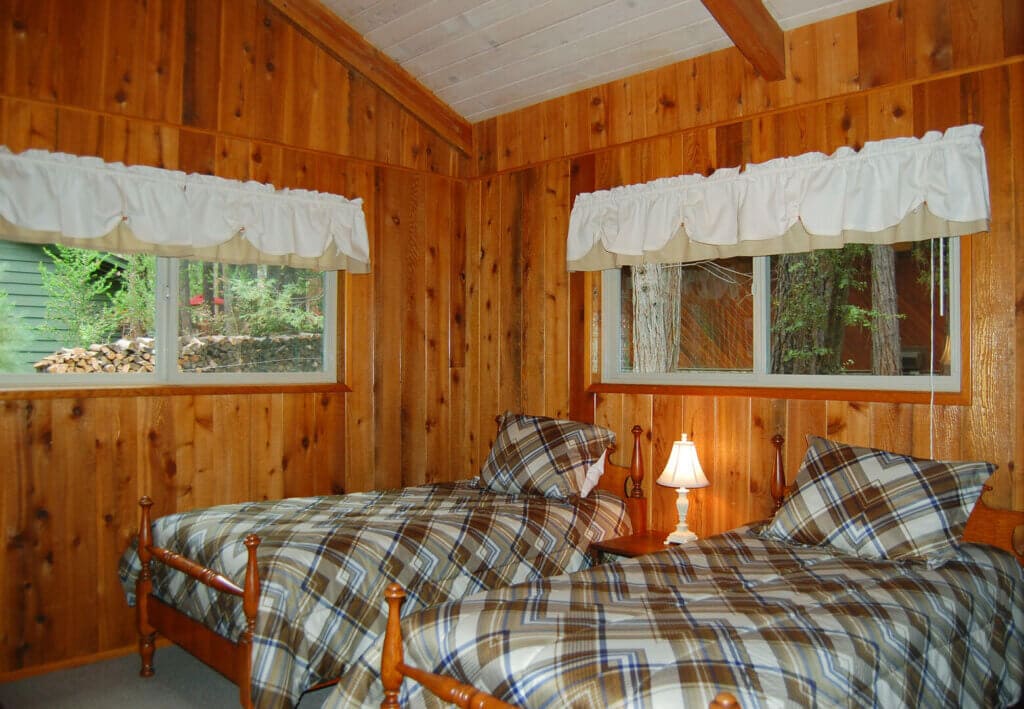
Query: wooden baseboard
{"type": "Point", "coordinates": [24, 672]}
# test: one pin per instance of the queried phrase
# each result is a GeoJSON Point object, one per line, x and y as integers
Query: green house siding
{"type": "Point", "coordinates": [19, 278]}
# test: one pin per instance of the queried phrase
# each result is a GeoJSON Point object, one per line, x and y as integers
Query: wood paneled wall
{"type": "Point", "coordinates": [896, 69]}
{"type": "Point", "coordinates": [224, 87]}
{"type": "Point", "coordinates": [469, 309]}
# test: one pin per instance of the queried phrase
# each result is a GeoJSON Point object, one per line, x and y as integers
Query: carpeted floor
{"type": "Point", "coordinates": [180, 682]}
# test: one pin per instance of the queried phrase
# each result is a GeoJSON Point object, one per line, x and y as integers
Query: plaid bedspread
{"type": "Point", "coordinates": [324, 563]}
{"type": "Point", "coordinates": [774, 624]}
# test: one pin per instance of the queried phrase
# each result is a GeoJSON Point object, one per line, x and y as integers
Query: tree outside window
{"type": "Point", "coordinates": [862, 310]}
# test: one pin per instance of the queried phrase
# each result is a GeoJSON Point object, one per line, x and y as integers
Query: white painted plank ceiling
{"type": "Point", "coordinates": [487, 57]}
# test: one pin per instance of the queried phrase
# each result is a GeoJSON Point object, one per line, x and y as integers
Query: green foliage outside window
{"type": "Point", "coordinates": [12, 335]}
{"type": "Point", "coordinates": [268, 307]}
{"type": "Point", "coordinates": [811, 308]}
{"type": "Point", "coordinates": [99, 297]}
{"type": "Point", "coordinates": [78, 285]}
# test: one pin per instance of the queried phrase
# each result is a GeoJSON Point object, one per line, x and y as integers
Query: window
{"type": "Point", "coordinates": [75, 317]}
{"type": "Point", "coordinates": [860, 317]}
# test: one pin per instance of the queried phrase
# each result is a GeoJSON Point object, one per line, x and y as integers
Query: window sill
{"type": "Point", "coordinates": [173, 390]}
{"type": "Point", "coordinates": [944, 398]}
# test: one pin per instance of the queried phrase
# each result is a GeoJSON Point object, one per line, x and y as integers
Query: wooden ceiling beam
{"type": "Point", "coordinates": [345, 44]}
{"type": "Point", "coordinates": [754, 32]}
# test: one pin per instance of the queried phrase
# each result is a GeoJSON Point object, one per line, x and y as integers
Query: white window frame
{"type": "Point", "coordinates": [759, 376]}
{"type": "Point", "coordinates": [165, 350]}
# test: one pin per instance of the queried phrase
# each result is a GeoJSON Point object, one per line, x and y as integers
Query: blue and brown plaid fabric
{"type": "Point", "coordinates": [325, 561]}
{"type": "Point", "coordinates": [543, 456]}
{"type": "Point", "coordinates": [878, 505]}
{"type": "Point", "coordinates": [775, 624]}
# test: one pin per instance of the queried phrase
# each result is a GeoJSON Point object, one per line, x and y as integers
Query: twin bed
{"type": "Point", "coordinates": [311, 571]}
{"type": "Point", "coordinates": [853, 595]}
{"type": "Point", "coordinates": [864, 590]}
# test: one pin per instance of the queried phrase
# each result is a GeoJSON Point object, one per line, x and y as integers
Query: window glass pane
{"type": "Point", "coordinates": [684, 317]}
{"type": "Point", "coordinates": [860, 310]}
{"type": "Point", "coordinates": [75, 311]}
{"type": "Point", "coordinates": [249, 319]}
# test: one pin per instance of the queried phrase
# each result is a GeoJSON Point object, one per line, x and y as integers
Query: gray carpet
{"type": "Point", "coordinates": [180, 682]}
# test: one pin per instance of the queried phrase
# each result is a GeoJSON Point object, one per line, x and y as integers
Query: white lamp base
{"type": "Point", "coordinates": [681, 533]}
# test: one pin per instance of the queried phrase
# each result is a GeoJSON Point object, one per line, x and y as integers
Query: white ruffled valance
{"type": "Point", "coordinates": [83, 201]}
{"type": "Point", "coordinates": [904, 189]}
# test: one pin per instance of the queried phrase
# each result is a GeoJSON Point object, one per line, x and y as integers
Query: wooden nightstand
{"type": "Point", "coordinates": [634, 545]}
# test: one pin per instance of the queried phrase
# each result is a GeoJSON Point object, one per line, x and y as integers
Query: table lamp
{"type": "Point", "coordinates": [682, 471]}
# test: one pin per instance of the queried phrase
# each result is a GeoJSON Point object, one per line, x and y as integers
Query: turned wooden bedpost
{"type": "Point", "coordinates": [636, 503]}
{"type": "Point", "coordinates": [250, 604]}
{"type": "Point", "coordinates": [778, 474]}
{"type": "Point", "coordinates": [392, 657]}
{"type": "Point", "coordinates": [143, 587]}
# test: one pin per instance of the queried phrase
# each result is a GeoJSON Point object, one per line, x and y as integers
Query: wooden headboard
{"type": "Point", "coordinates": [989, 525]}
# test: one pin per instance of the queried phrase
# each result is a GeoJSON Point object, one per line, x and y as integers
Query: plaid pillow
{"type": "Point", "coordinates": [876, 504]}
{"type": "Point", "coordinates": [543, 456]}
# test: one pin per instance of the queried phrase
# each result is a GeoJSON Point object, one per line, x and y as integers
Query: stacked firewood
{"type": "Point", "coordinates": [210, 353]}
{"type": "Point", "coordinates": [134, 355]}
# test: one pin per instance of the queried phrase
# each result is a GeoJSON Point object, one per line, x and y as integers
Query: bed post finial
{"type": "Point", "coordinates": [391, 657]}
{"type": "Point", "coordinates": [778, 473]}
{"type": "Point", "coordinates": [724, 700]}
{"type": "Point", "coordinates": [250, 605]}
{"type": "Point", "coordinates": [636, 503]}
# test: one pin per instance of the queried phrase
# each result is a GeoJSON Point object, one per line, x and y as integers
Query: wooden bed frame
{"type": "Point", "coordinates": [987, 525]}
{"type": "Point", "coordinates": [234, 659]}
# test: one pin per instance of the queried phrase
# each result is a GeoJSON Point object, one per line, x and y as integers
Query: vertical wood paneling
{"type": "Point", "coordinates": [121, 79]}
{"type": "Point", "coordinates": [437, 268]}
{"type": "Point", "coordinates": [667, 413]}
{"type": "Point", "coordinates": [117, 494]}
{"type": "Point", "coordinates": [528, 328]}
{"type": "Point", "coordinates": [511, 274]}
{"type": "Point", "coordinates": [977, 31]}
{"type": "Point", "coordinates": [43, 600]}
{"type": "Point", "coordinates": [555, 298]}
{"type": "Point", "coordinates": [266, 446]}
{"type": "Point", "coordinates": [300, 455]}
{"type": "Point", "coordinates": [32, 67]}
{"type": "Point", "coordinates": [421, 380]}
{"type": "Point", "coordinates": [993, 302]}
{"type": "Point", "coordinates": [145, 62]}
{"type": "Point", "coordinates": [30, 125]}
{"type": "Point", "coordinates": [489, 288]}
{"type": "Point", "coordinates": [73, 510]}
{"type": "Point", "coordinates": [849, 422]}
{"type": "Point", "coordinates": [201, 63]}
{"type": "Point", "coordinates": [360, 343]}
{"type": "Point", "coordinates": [387, 376]}
{"type": "Point", "coordinates": [413, 326]}
{"type": "Point", "coordinates": [330, 467]}
{"type": "Point", "coordinates": [727, 465]}
{"type": "Point", "coordinates": [879, 30]}
{"type": "Point", "coordinates": [1016, 103]}
{"type": "Point", "coordinates": [767, 418]}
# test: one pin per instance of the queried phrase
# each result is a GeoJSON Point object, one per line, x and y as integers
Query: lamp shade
{"type": "Point", "coordinates": [683, 468]}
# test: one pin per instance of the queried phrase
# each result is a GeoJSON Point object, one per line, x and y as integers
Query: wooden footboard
{"type": "Point", "coordinates": [393, 669]}
{"type": "Point", "coordinates": [989, 525]}
{"type": "Point", "coordinates": [231, 659]}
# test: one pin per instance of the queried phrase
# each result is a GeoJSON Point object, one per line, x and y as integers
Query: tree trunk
{"type": "Point", "coordinates": [808, 321]}
{"type": "Point", "coordinates": [657, 305]}
{"type": "Point", "coordinates": [885, 335]}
